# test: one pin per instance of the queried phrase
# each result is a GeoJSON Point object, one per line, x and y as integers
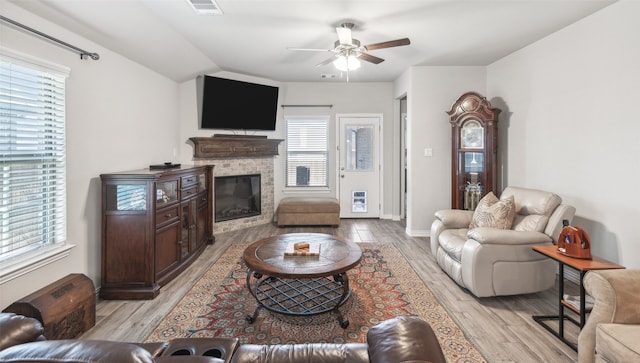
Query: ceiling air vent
{"type": "Point", "coordinates": [205, 7]}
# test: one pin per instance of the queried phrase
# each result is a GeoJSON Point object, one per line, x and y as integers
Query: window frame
{"type": "Point", "coordinates": [55, 248]}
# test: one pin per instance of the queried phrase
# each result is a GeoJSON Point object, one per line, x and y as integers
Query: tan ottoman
{"type": "Point", "coordinates": [308, 211]}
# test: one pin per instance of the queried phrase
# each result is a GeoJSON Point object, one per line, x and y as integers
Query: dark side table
{"type": "Point", "coordinates": [582, 266]}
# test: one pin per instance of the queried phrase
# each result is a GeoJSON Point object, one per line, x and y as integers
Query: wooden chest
{"type": "Point", "coordinates": [66, 308]}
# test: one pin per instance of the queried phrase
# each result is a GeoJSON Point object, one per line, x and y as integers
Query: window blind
{"type": "Point", "coordinates": [307, 152]}
{"type": "Point", "coordinates": [32, 147]}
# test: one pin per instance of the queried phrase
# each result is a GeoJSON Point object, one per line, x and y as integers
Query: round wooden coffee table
{"type": "Point", "coordinates": [300, 284]}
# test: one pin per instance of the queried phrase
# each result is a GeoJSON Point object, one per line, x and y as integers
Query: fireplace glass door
{"type": "Point", "coordinates": [237, 196]}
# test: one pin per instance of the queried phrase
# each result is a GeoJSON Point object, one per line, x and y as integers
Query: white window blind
{"type": "Point", "coordinates": [307, 152]}
{"type": "Point", "coordinates": [32, 147]}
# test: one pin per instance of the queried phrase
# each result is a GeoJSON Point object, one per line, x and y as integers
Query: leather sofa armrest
{"type": "Point", "coordinates": [485, 235]}
{"type": "Point", "coordinates": [17, 329]}
{"type": "Point", "coordinates": [216, 347]}
{"type": "Point", "coordinates": [76, 351]}
{"type": "Point", "coordinates": [155, 348]}
{"type": "Point", "coordinates": [616, 301]}
{"type": "Point", "coordinates": [454, 218]}
{"type": "Point", "coordinates": [404, 339]}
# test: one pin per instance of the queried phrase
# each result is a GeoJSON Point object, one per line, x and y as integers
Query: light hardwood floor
{"type": "Point", "coordinates": [501, 327]}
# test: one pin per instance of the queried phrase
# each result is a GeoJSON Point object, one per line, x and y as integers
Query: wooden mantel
{"type": "Point", "coordinates": [220, 147]}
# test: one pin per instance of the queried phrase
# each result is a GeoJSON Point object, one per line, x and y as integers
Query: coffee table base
{"type": "Point", "coordinates": [300, 297]}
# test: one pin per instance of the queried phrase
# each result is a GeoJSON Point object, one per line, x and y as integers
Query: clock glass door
{"type": "Point", "coordinates": [471, 178]}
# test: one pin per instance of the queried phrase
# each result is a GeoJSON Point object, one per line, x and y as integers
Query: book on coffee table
{"type": "Point", "coordinates": [303, 249]}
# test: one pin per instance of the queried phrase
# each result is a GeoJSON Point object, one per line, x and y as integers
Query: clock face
{"type": "Point", "coordinates": [472, 135]}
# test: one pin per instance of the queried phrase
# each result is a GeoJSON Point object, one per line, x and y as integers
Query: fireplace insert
{"type": "Point", "coordinates": [237, 196]}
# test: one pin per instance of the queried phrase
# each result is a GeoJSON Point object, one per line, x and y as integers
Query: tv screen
{"type": "Point", "coordinates": [236, 105]}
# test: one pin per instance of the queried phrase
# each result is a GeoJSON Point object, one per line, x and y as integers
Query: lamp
{"type": "Point", "coordinates": [346, 63]}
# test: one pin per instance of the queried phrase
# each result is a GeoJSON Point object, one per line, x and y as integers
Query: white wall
{"type": "Point", "coordinates": [430, 93]}
{"type": "Point", "coordinates": [345, 97]}
{"type": "Point", "coordinates": [120, 116]}
{"type": "Point", "coordinates": [572, 124]}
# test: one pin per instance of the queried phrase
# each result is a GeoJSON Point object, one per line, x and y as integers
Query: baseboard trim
{"type": "Point", "coordinates": [419, 233]}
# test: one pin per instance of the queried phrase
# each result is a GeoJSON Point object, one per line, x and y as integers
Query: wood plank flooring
{"type": "Point", "coordinates": [501, 327]}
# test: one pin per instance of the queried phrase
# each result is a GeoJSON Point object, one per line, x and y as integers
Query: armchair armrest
{"type": "Point", "coordinates": [75, 351]}
{"type": "Point", "coordinates": [616, 301]}
{"type": "Point", "coordinates": [454, 218]}
{"type": "Point", "coordinates": [485, 235]}
{"type": "Point", "coordinates": [18, 329]}
{"type": "Point", "coordinates": [404, 339]}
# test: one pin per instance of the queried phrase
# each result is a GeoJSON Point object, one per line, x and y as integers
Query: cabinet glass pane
{"type": "Point", "coordinates": [126, 197]}
{"type": "Point", "coordinates": [166, 192]}
{"type": "Point", "coordinates": [471, 178]}
{"type": "Point", "coordinates": [188, 234]}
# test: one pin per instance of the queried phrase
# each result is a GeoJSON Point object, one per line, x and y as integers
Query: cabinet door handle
{"type": "Point", "coordinates": [168, 215]}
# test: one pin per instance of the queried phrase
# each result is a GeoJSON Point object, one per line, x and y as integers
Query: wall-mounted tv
{"type": "Point", "coordinates": [237, 105]}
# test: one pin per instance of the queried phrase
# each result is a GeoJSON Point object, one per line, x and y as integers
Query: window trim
{"type": "Point", "coordinates": [295, 189]}
{"type": "Point", "coordinates": [20, 265]}
{"type": "Point", "coordinates": [31, 261]}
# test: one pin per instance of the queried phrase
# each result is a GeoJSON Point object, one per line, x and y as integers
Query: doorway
{"type": "Point", "coordinates": [403, 158]}
{"type": "Point", "coordinates": [359, 166]}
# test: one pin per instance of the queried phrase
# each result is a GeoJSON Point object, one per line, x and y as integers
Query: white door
{"type": "Point", "coordinates": [359, 166]}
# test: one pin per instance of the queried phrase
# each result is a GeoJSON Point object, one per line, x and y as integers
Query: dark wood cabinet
{"type": "Point", "coordinates": [474, 147]}
{"type": "Point", "coordinates": [154, 224]}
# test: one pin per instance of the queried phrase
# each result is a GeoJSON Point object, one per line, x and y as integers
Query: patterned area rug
{"type": "Point", "coordinates": [383, 286]}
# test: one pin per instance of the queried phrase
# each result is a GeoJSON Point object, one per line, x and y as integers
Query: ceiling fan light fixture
{"type": "Point", "coordinates": [346, 63]}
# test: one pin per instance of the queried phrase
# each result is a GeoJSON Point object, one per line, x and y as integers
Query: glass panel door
{"type": "Point", "coordinates": [360, 148]}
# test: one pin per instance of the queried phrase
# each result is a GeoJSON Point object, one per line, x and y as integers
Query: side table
{"type": "Point", "coordinates": [582, 266]}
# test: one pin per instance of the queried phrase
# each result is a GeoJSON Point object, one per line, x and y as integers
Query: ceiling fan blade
{"type": "Point", "coordinates": [389, 44]}
{"type": "Point", "coordinates": [344, 35]}
{"type": "Point", "coordinates": [310, 49]}
{"type": "Point", "coordinates": [326, 61]}
{"type": "Point", "coordinates": [370, 58]}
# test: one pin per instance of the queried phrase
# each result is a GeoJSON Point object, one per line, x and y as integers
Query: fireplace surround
{"type": "Point", "coordinates": [241, 156]}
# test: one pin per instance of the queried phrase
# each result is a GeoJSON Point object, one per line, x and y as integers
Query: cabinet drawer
{"type": "Point", "coordinates": [189, 180]}
{"type": "Point", "coordinates": [167, 215]}
{"type": "Point", "coordinates": [189, 192]}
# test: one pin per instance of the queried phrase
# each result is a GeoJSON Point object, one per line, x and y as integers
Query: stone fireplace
{"type": "Point", "coordinates": [235, 157]}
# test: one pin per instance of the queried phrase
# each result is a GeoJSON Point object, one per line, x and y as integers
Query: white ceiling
{"type": "Point", "coordinates": [252, 36]}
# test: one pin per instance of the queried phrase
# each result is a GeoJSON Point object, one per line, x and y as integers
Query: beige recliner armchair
{"type": "Point", "coordinates": [613, 327]}
{"type": "Point", "coordinates": [493, 262]}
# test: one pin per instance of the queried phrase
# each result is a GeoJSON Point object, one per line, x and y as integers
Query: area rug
{"type": "Point", "coordinates": [383, 286]}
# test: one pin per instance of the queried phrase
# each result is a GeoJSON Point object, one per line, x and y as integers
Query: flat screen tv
{"type": "Point", "coordinates": [237, 105]}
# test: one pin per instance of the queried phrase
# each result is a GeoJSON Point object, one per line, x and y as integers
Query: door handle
{"type": "Point", "coordinates": [342, 175]}
{"type": "Point", "coordinates": [342, 168]}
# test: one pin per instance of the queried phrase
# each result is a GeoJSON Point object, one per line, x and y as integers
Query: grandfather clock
{"type": "Point", "coordinates": [474, 147]}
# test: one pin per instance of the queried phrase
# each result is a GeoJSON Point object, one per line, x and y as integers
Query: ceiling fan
{"type": "Point", "coordinates": [348, 50]}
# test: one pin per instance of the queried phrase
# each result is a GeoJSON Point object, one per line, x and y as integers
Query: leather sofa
{"type": "Point", "coordinates": [612, 330]}
{"type": "Point", "coordinates": [22, 340]}
{"type": "Point", "coordinates": [493, 261]}
{"type": "Point", "coordinates": [401, 339]}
